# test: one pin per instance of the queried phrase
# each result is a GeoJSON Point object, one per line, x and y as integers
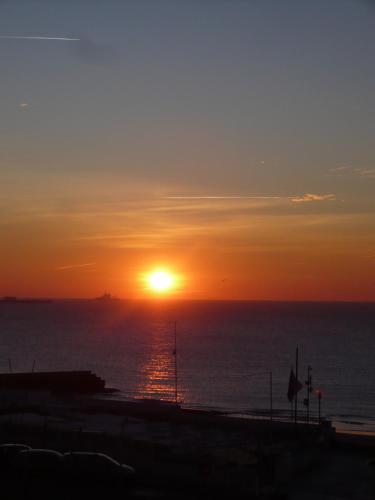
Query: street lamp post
{"type": "Point", "coordinates": [319, 394]}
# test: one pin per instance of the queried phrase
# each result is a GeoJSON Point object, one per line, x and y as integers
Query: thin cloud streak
{"type": "Point", "coordinates": [222, 198]}
{"type": "Point", "coordinates": [56, 38]}
{"type": "Point", "coordinates": [307, 197]}
{"type": "Point", "coordinates": [75, 266]}
{"type": "Point", "coordinates": [311, 197]}
{"type": "Point", "coordinates": [340, 169]}
{"type": "Point", "coordinates": [367, 173]}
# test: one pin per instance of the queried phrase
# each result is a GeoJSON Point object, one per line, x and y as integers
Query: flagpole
{"type": "Point", "coordinates": [296, 389]}
{"type": "Point", "coordinates": [175, 363]}
{"type": "Point", "coordinates": [308, 392]}
{"type": "Point", "coordinates": [319, 393]}
{"type": "Point", "coordinates": [271, 398]}
{"type": "Point", "coordinates": [291, 391]}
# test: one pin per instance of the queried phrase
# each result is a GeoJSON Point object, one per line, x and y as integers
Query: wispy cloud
{"type": "Point", "coordinates": [368, 173]}
{"type": "Point", "coordinates": [74, 266]}
{"type": "Point", "coordinates": [343, 168]}
{"type": "Point", "coordinates": [56, 38]}
{"type": "Point", "coordinates": [310, 197]}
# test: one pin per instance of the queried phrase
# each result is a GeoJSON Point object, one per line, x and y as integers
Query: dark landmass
{"type": "Point", "coordinates": [16, 300]}
{"type": "Point", "coordinates": [79, 381]}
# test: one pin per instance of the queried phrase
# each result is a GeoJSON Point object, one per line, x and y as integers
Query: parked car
{"type": "Point", "coordinates": [96, 468]}
{"type": "Point", "coordinates": [8, 451]}
{"type": "Point", "coordinates": [39, 462]}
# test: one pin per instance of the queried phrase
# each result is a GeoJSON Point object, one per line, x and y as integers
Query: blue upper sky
{"type": "Point", "coordinates": [280, 91]}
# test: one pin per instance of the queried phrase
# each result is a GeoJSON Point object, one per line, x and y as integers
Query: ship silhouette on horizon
{"type": "Point", "coordinates": [106, 297]}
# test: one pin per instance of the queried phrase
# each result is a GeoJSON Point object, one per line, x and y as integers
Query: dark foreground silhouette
{"type": "Point", "coordinates": [169, 453]}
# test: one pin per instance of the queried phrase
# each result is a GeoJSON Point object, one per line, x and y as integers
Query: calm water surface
{"type": "Point", "coordinates": [225, 350]}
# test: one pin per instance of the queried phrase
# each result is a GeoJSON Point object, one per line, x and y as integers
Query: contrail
{"type": "Point", "coordinates": [74, 266]}
{"type": "Point", "coordinates": [59, 39]}
{"type": "Point", "coordinates": [307, 197]}
{"type": "Point", "coordinates": [222, 197]}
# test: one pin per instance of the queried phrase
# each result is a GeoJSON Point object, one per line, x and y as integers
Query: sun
{"type": "Point", "coordinates": [161, 281]}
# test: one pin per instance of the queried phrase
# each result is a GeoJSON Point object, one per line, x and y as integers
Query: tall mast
{"type": "Point", "coordinates": [308, 382]}
{"type": "Point", "coordinates": [296, 390]}
{"type": "Point", "coordinates": [175, 364]}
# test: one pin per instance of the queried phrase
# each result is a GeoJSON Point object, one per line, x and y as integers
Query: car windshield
{"type": "Point", "coordinates": [92, 458]}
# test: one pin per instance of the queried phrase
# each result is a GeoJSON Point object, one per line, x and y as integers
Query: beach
{"type": "Point", "coordinates": [190, 454]}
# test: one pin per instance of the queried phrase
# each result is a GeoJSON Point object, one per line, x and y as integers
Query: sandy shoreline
{"type": "Point", "coordinates": [197, 454]}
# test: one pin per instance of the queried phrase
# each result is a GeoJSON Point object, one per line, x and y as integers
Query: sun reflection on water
{"type": "Point", "coordinates": [158, 370]}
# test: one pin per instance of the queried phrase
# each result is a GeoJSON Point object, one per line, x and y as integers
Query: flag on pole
{"type": "Point", "coordinates": [294, 386]}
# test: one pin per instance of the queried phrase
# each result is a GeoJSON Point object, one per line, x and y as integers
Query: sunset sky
{"type": "Point", "coordinates": [229, 141]}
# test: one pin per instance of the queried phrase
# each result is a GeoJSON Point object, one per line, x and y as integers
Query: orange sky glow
{"type": "Point", "coordinates": [238, 250]}
{"type": "Point", "coordinates": [231, 143]}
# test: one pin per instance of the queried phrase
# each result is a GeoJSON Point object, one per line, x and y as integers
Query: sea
{"type": "Point", "coordinates": [225, 352]}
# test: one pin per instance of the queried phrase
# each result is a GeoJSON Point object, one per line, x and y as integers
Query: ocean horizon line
{"type": "Point", "coordinates": [177, 299]}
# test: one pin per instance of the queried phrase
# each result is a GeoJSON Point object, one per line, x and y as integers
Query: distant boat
{"type": "Point", "coordinates": [106, 297]}
{"type": "Point", "coordinates": [15, 300]}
